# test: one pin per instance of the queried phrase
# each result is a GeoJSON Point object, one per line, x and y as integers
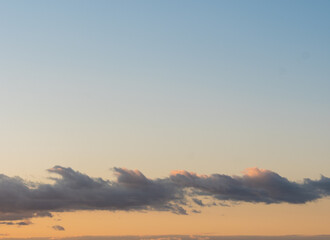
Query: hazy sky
{"type": "Point", "coordinates": [207, 87]}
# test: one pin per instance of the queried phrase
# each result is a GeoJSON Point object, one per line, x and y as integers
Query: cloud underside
{"type": "Point", "coordinates": [180, 193]}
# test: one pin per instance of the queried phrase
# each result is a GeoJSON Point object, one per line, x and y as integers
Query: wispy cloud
{"type": "Point", "coordinates": [58, 228]}
{"type": "Point", "coordinates": [73, 190]}
{"type": "Point", "coordinates": [17, 223]}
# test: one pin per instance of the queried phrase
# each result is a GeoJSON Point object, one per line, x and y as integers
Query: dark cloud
{"type": "Point", "coordinates": [58, 228]}
{"type": "Point", "coordinates": [76, 191]}
{"type": "Point", "coordinates": [72, 190]}
{"type": "Point", "coordinates": [257, 185]}
{"type": "Point", "coordinates": [196, 211]}
{"type": "Point", "coordinates": [198, 202]}
{"type": "Point", "coordinates": [17, 223]}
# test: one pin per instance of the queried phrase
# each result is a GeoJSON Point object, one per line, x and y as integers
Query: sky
{"type": "Point", "coordinates": [206, 118]}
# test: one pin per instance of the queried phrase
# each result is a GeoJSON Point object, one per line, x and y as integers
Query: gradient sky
{"type": "Point", "coordinates": [202, 86]}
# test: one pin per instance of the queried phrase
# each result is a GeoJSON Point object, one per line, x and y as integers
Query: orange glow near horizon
{"type": "Point", "coordinates": [242, 219]}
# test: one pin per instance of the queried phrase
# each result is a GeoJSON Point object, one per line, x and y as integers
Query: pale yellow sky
{"type": "Point", "coordinates": [241, 219]}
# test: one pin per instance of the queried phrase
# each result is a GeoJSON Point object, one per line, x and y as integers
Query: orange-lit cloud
{"type": "Point", "coordinates": [255, 172]}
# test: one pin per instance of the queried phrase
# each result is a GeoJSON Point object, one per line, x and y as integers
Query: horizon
{"type": "Point", "coordinates": [186, 237]}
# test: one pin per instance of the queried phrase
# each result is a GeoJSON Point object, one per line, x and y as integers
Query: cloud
{"type": "Point", "coordinates": [17, 223]}
{"type": "Point", "coordinates": [132, 191]}
{"type": "Point", "coordinates": [256, 185]}
{"type": "Point", "coordinates": [58, 228]}
{"type": "Point", "coordinates": [198, 202]}
{"type": "Point", "coordinates": [76, 191]}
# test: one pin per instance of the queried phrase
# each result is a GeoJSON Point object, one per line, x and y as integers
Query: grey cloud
{"type": "Point", "coordinates": [198, 202]}
{"type": "Point", "coordinates": [257, 185]}
{"type": "Point", "coordinates": [76, 191]}
{"type": "Point", "coordinates": [195, 211]}
{"type": "Point", "coordinates": [72, 190]}
{"type": "Point", "coordinates": [19, 223]}
{"type": "Point", "coordinates": [23, 223]}
{"type": "Point", "coordinates": [58, 228]}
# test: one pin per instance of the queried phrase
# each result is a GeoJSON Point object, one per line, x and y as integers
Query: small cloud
{"type": "Point", "coordinates": [23, 223]}
{"type": "Point", "coordinates": [20, 223]}
{"type": "Point", "coordinates": [58, 228]}
{"type": "Point", "coordinates": [198, 202]}
{"type": "Point", "coordinates": [196, 211]}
